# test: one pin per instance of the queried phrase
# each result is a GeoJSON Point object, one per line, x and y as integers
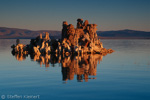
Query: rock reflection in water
{"type": "Point", "coordinates": [20, 56]}
{"type": "Point", "coordinates": [82, 66]}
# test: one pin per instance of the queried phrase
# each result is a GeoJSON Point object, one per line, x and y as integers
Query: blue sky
{"type": "Point", "coordinates": [49, 14]}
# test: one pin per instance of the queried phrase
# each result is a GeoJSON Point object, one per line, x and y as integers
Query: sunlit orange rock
{"type": "Point", "coordinates": [82, 39]}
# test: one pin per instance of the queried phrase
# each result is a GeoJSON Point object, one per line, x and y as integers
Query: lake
{"type": "Point", "coordinates": [122, 75]}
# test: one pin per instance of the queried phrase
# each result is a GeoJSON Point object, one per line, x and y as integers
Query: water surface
{"type": "Point", "coordinates": [122, 75]}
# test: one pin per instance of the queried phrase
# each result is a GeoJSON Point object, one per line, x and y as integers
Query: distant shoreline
{"type": "Point", "coordinates": [15, 33]}
{"type": "Point", "coordinates": [123, 38]}
{"type": "Point", "coordinates": [99, 38]}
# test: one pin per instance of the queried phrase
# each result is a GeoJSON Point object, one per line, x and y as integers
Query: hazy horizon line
{"type": "Point", "coordinates": [60, 29]}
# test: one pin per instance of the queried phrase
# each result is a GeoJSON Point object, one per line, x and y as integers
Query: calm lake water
{"type": "Point", "coordinates": [122, 75]}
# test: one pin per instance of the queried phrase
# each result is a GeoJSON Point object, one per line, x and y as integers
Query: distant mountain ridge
{"type": "Point", "coordinates": [124, 34]}
{"type": "Point", "coordinates": [15, 33]}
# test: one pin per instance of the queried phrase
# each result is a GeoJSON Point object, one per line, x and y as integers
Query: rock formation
{"type": "Point", "coordinates": [37, 46]}
{"type": "Point", "coordinates": [80, 40]}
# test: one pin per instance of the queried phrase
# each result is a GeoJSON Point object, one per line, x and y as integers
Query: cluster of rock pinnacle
{"type": "Point", "coordinates": [80, 40]}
